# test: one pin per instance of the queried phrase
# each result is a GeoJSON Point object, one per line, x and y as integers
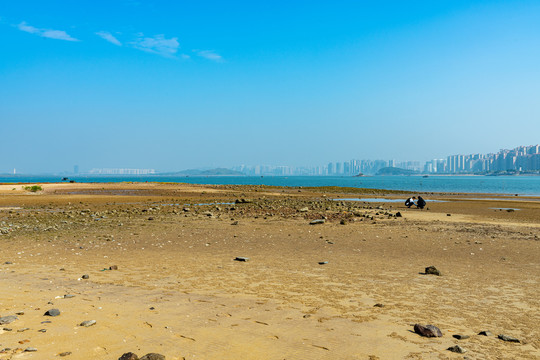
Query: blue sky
{"type": "Point", "coordinates": [180, 84]}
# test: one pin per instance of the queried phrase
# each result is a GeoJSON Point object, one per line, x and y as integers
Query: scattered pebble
{"type": "Point", "coordinates": [379, 305]}
{"type": "Point", "coordinates": [457, 349]}
{"type": "Point", "coordinates": [485, 333]}
{"type": "Point", "coordinates": [8, 319]}
{"type": "Point", "coordinates": [460, 337]}
{"type": "Point", "coordinates": [432, 270]}
{"type": "Point", "coordinates": [85, 277]}
{"type": "Point", "coordinates": [508, 338]}
{"type": "Point", "coordinates": [52, 312]}
{"type": "Point", "coordinates": [65, 353]}
{"type": "Point", "coordinates": [30, 349]}
{"type": "Point", "coordinates": [88, 323]}
{"type": "Point", "coordinates": [318, 221]}
{"type": "Point", "coordinates": [240, 258]}
{"type": "Point", "coordinates": [323, 262]}
{"type": "Point", "coordinates": [427, 331]}
{"type": "Point", "coordinates": [113, 267]}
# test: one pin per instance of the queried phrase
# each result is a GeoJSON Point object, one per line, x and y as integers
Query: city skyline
{"type": "Point", "coordinates": [524, 158]}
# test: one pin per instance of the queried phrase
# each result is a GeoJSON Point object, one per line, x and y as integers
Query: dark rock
{"type": "Point", "coordinates": [460, 337]}
{"type": "Point", "coordinates": [508, 338]}
{"type": "Point", "coordinates": [153, 356]}
{"type": "Point", "coordinates": [240, 258]}
{"type": "Point", "coordinates": [113, 267]}
{"type": "Point", "coordinates": [448, 215]}
{"type": "Point", "coordinates": [485, 333]}
{"type": "Point", "coordinates": [65, 353]}
{"type": "Point", "coordinates": [427, 331]}
{"type": "Point", "coordinates": [42, 330]}
{"type": "Point", "coordinates": [85, 276]}
{"type": "Point", "coordinates": [52, 312]}
{"type": "Point", "coordinates": [457, 349]}
{"type": "Point", "coordinates": [343, 222]}
{"type": "Point", "coordinates": [8, 319]}
{"type": "Point", "coordinates": [129, 356]}
{"type": "Point", "coordinates": [432, 270]}
{"type": "Point", "coordinates": [379, 305]}
{"type": "Point", "coordinates": [398, 214]}
{"type": "Point", "coordinates": [234, 223]}
{"type": "Point", "coordinates": [30, 349]}
{"type": "Point", "coordinates": [323, 262]}
{"type": "Point", "coordinates": [317, 221]}
{"type": "Point", "coordinates": [8, 263]}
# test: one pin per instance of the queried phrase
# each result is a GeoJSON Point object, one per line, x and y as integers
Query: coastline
{"type": "Point", "coordinates": [179, 292]}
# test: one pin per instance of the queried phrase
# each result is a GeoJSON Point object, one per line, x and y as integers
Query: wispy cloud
{"type": "Point", "coordinates": [209, 54]}
{"type": "Point", "coordinates": [109, 37]}
{"type": "Point", "coordinates": [46, 33]}
{"type": "Point", "coordinates": [157, 45]}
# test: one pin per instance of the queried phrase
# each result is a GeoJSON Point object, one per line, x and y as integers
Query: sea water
{"type": "Point", "coordinates": [522, 185]}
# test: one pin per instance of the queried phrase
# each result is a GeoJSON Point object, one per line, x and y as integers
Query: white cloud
{"type": "Point", "coordinates": [109, 37]}
{"type": "Point", "coordinates": [157, 45]}
{"type": "Point", "coordinates": [209, 54]}
{"type": "Point", "coordinates": [46, 33]}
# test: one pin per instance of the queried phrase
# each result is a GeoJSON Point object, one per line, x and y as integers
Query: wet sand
{"type": "Point", "coordinates": [178, 291]}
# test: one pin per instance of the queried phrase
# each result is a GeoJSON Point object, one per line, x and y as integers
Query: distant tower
{"type": "Point", "coordinates": [76, 169]}
{"type": "Point", "coordinates": [14, 171]}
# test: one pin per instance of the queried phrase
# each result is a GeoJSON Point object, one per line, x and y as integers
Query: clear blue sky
{"type": "Point", "coordinates": [172, 85]}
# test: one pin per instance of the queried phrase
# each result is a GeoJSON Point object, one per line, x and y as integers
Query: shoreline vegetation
{"type": "Point", "coordinates": [259, 272]}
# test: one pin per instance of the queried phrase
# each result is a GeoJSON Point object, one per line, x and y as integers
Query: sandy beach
{"type": "Point", "coordinates": [162, 275]}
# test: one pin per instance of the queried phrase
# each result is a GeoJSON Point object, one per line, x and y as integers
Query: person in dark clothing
{"type": "Point", "coordinates": [410, 202]}
{"type": "Point", "coordinates": [421, 203]}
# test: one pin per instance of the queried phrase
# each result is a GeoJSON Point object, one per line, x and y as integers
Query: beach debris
{"type": "Point", "coordinates": [65, 353]}
{"type": "Point", "coordinates": [8, 319]}
{"type": "Point", "coordinates": [432, 270]}
{"type": "Point", "coordinates": [508, 338]}
{"type": "Point", "coordinates": [460, 337]}
{"type": "Point", "coordinates": [323, 262]}
{"type": "Point", "coordinates": [113, 267]}
{"type": "Point", "coordinates": [52, 312]}
{"type": "Point", "coordinates": [30, 349]}
{"type": "Point", "coordinates": [457, 349]}
{"type": "Point", "coordinates": [68, 296]}
{"type": "Point", "coordinates": [379, 305]}
{"type": "Point", "coordinates": [88, 323]}
{"type": "Point", "coordinates": [42, 330]}
{"type": "Point", "coordinates": [317, 221]}
{"type": "Point", "coordinates": [427, 331]}
{"type": "Point", "coordinates": [485, 333]}
{"type": "Point", "coordinates": [241, 258]}
{"type": "Point", "coordinates": [85, 277]}
{"type": "Point", "coordinates": [129, 356]}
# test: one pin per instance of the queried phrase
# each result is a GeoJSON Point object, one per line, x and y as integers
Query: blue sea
{"type": "Point", "coordinates": [522, 185]}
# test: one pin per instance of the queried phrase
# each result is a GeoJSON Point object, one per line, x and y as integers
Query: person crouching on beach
{"type": "Point", "coordinates": [410, 202]}
{"type": "Point", "coordinates": [420, 203]}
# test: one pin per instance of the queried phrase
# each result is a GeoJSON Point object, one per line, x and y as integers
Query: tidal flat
{"type": "Point", "coordinates": [153, 268]}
